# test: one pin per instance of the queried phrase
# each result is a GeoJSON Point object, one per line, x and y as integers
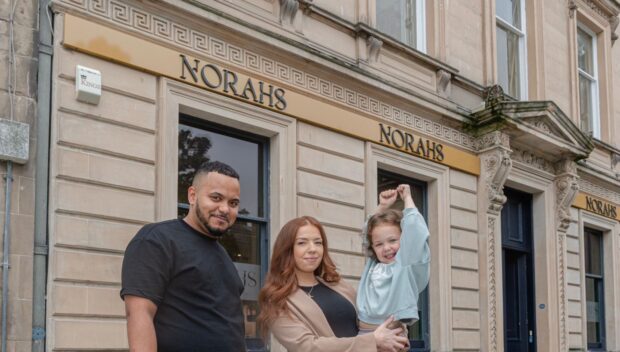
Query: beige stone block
{"type": "Point", "coordinates": [467, 299]}
{"type": "Point", "coordinates": [112, 106]}
{"type": "Point", "coordinates": [317, 31]}
{"type": "Point", "coordinates": [19, 317]}
{"type": "Point", "coordinates": [466, 339]}
{"type": "Point", "coordinates": [345, 240]}
{"type": "Point", "coordinates": [25, 191]}
{"type": "Point", "coordinates": [462, 180]}
{"type": "Point", "coordinates": [574, 308]}
{"type": "Point", "coordinates": [463, 219]}
{"type": "Point", "coordinates": [87, 266]}
{"type": "Point", "coordinates": [463, 199]}
{"type": "Point", "coordinates": [574, 324]}
{"type": "Point", "coordinates": [348, 264]}
{"type": "Point", "coordinates": [572, 244]}
{"type": "Point", "coordinates": [465, 279]}
{"type": "Point", "coordinates": [573, 292]}
{"type": "Point", "coordinates": [20, 277]}
{"type": "Point", "coordinates": [573, 260]}
{"type": "Point", "coordinates": [102, 201]}
{"type": "Point", "coordinates": [93, 233]}
{"type": "Point", "coordinates": [85, 300]}
{"type": "Point", "coordinates": [464, 259]}
{"type": "Point", "coordinates": [22, 233]}
{"type": "Point", "coordinates": [134, 82]}
{"type": "Point", "coordinates": [331, 213]}
{"type": "Point", "coordinates": [398, 66]}
{"type": "Point", "coordinates": [573, 277]}
{"type": "Point", "coordinates": [332, 189]}
{"type": "Point", "coordinates": [575, 340]}
{"type": "Point", "coordinates": [329, 140]}
{"type": "Point", "coordinates": [102, 136]}
{"type": "Point", "coordinates": [573, 227]}
{"type": "Point", "coordinates": [330, 164]}
{"type": "Point", "coordinates": [106, 169]}
{"type": "Point", "coordinates": [104, 301]}
{"type": "Point", "coordinates": [69, 300]}
{"type": "Point", "coordinates": [464, 239]}
{"type": "Point", "coordinates": [75, 334]}
{"type": "Point", "coordinates": [465, 319]}
{"type": "Point", "coordinates": [345, 9]}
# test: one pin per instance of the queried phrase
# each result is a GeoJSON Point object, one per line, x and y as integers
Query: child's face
{"type": "Point", "coordinates": [386, 242]}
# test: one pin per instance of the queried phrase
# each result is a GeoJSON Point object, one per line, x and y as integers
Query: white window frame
{"type": "Point", "coordinates": [594, 94]}
{"type": "Point", "coordinates": [522, 34]}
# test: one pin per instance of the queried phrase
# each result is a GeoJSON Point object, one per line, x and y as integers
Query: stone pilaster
{"type": "Point", "coordinates": [494, 151]}
{"type": "Point", "coordinates": [566, 188]}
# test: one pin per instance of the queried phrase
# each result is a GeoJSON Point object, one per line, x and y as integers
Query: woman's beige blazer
{"type": "Point", "coordinates": [306, 329]}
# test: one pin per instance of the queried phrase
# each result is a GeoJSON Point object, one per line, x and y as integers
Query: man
{"type": "Point", "coordinates": [181, 289]}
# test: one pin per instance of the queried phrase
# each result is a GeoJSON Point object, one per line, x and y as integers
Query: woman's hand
{"type": "Point", "coordinates": [386, 199]}
{"type": "Point", "coordinates": [389, 340]}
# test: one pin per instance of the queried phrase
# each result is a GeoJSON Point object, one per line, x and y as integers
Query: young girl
{"type": "Point", "coordinates": [398, 267]}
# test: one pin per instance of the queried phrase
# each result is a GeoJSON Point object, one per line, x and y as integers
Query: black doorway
{"type": "Point", "coordinates": [517, 259]}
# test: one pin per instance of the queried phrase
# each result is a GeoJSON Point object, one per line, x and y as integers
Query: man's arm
{"type": "Point", "coordinates": [140, 327]}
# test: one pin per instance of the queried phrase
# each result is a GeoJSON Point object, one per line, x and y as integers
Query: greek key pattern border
{"type": "Point", "coordinates": [163, 29]}
{"type": "Point", "coordinates": [596, 190]}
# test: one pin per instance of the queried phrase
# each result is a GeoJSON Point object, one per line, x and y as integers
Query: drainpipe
{"type": "Point", "coordinates": [44, 84]}
{"type": "Point", "coordinates": [5, 255]}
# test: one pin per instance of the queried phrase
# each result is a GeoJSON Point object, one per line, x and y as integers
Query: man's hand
{"type": "Point", "coordinates": [389, 340]}
{"type": "Point", "coordinates": [140, 327]}
{"type": "Point", "coordinates": [386, 199]}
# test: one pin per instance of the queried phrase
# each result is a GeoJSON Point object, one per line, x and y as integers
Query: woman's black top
{"type": "Point", "coordinates": [340, 313]}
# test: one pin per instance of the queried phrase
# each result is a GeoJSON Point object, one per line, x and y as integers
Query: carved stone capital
{"type": "Point", "coordinates": [572, 7]}
{"type": "Point", "coordinates": [444, 86]}
{"type": "Point", "coordinates": [496, 166]}
{"type": "Point", "coordinates": [494, 94]}
{"type": "Point", "coordinates": [288, 10]}
{"type": "Point", "coordinates": [613, 22]}
{"type": "Point", "coordinates": [492, 140]}
{"type": "Point", "coordinates": [374, 45]}
{"type": "Point", "coordinates": [566, 187]}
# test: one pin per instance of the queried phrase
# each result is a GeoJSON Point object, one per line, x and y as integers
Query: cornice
{"type": "Point", "coordinates": [143, 21]}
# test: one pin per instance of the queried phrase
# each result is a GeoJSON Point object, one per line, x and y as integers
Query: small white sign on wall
{"type": "Point", "coordinates": [87, 85]}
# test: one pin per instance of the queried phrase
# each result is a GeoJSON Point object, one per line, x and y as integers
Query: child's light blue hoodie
{"type": "Point", "coordinates": [393, 289]}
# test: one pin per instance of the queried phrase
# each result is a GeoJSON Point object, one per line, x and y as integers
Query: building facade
{"type": "Point", "coordinates": [502, 115]}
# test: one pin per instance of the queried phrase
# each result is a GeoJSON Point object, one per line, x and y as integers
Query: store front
{"type": "Point", "coordinates": [307, 140]}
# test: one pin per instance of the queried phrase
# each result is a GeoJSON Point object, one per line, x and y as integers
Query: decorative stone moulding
{"type": "Point", "coordinates": [606, 9]}
{"type": "Point", "coordinates": [288, 10]}
{"type": "Point", "coordinates": [531, 123]}
{"type": "Point", "coordinates": [374, 45]}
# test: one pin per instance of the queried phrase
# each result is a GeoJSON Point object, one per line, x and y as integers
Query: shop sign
{"type": "Point", "coordinates": [410, 143]}
{"type": "Point", "coordinates": [230, 82]}
{"type": "Point", "coordinates": [597, 206]}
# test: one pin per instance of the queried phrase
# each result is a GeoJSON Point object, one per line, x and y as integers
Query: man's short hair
{"type": "Point", "coordinates": [215, 166]}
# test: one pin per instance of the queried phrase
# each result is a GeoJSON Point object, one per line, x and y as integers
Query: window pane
{"type": "Point", "coordinates": [508, 62]}
{"type": "Point", "coordinates": [593, 307]}
{"type": "Point", "coordinates": [585, 53]}
{"type": "Point", "coordinates": [509, 11]}
{"type": "Point", "coordinates": [197, 146]}
{"type": "Point", "coordinates": [593, 256]}
{"type": "Point", "coordinates": [397, 18]}
{"type": "Point", "coordinates": [585, 103]}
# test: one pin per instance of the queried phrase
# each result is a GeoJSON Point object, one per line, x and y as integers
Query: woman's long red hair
{"type": "Point", "coordinates": [281, 281]}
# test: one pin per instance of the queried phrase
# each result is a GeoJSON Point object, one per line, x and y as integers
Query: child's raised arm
{"type": "Point", "coordinates": [404, 191]}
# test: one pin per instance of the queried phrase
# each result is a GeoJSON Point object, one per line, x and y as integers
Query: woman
{"type": "Point", "coordinates": [306, 305]}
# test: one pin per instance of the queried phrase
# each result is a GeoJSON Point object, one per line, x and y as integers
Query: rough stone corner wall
{"type": "Point", "coordinates": [25, 31]}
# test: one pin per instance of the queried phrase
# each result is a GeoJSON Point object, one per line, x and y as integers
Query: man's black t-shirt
{"type": "Point", "coordinates": [194, 284]}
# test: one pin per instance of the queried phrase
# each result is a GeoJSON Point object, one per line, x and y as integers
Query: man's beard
{"type": "Point", "coordinates": [215, 232]}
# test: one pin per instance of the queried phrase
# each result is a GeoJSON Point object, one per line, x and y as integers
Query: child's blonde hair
{"type": "Point", "coordinates": [386, 217]}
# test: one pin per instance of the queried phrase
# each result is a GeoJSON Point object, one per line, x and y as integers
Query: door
{"type": "Point", "coordinates": [517, 253]}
